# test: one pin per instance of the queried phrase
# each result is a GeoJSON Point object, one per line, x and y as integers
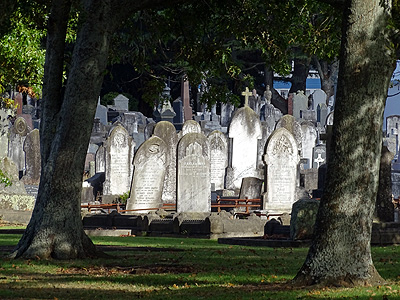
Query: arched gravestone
{"type": "Point", "coordinates": [289, 123]}
{"type": "Point", "coordinates": [329, 118]}
{"type": "Point", "coordinates": [309, 138]}
{"type": "Point", "coordinates": [190, 126]}
{"type": "Point", "coordinates": [167, 132]}
{"type": "Point", "coordinates": [119, 155]}
{"type": "Point", "coordinates": [32, 158]}
{"type": "Point", "coordinates": [100, 159]}
{"type": "Point", "coordinates": [150, 166]}
{"type": "Point", "coordinates": [281, 159]}
{"type": "Point", "coordinates": [219, 158]}
{"type": "Point", "coordinates": [245, 131]}
{"type": "Point", "coordinates": [193, 186]}
{"type": "Point", "coordinates": [16, 141]}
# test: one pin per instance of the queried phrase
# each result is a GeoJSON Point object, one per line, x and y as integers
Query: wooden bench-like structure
{"type": "Point", "coordinates": [221, 203]}
{"type": "Point", "coordinates": [237, 203]}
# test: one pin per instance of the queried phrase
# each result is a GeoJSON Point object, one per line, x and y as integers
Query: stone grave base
{"type": "Point", "coordinates": [204, 225]}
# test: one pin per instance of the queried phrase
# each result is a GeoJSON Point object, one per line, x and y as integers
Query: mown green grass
{"type": "Point", "coordinates": [174, 268]}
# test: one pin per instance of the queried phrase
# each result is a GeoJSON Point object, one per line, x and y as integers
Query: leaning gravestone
{"type": "Point", "coordinates": [193, 173]}
{"type": "Point", "coordinates": [309, 138]}
{"type": "Point", "coordinates": [281, 159]}
{"type": "Point", "coordinates": [32, 158]}
{"type": "Point", "coordinates": [150, 166]}
{"type": "Point", "coordinates": [167, 132]}
{"type": "Point", "coordinates": [119, 155]}
{"type": "Point", "coordinates": [219, 158]}
{"type": "Point", "coordinates": [245, 130]}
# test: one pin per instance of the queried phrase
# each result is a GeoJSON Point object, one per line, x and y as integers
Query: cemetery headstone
{"type": "Point", "coordinates": [318, 97]}
{"type": "Point", "coordinates": [19, 102]}
{"type": "Point", "coordinates": [166, 131]}
{"type": "Point", "coordinates": [226, 113]}
{"type": "Point", "coordinates": [194, 185]}
{"type": "Point", "coordinates": [119, 156]}
{"type": "Point", "coordinates": [32, 158]}
{"type": "Point", "coordinates": [281, 159]}
{"type": "Point", "coordinates": [219, 158]}
{"type": "Point", "coordinates": [150, 164]}
{"type": "Point", "coordinates": [4, 130]}
{"type": "Point", "coordinates": [289, 123]}
{"type": "Point", "coordinates": [178, 108]}
{"type": "Point", "coordinates": [251, 188]}
{"type": "Point", "coordinates": [190, 126]}
{"type": "Point", "coordinates": [100, 160]}
{"type": "Point", "coordinates": [309, 136]}
{"type": "Point", "coordinates": [245, 131]}
{"type": "Point", "coordinates": [322, 113]}
{"type": "Point", "coordinates": [121, 103]}
{"type": "Point", "coordinates": [319, 156]}
{"type": "Point", "coordinates": [17, 137]}
{"type": "Point", "coordinates": [101, 113]}
{"type": "Point", "coordinates": [300, 103]}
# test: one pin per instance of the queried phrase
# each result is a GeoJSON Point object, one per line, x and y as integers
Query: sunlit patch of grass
{"type": "Point", "coordinates": [181, 268]}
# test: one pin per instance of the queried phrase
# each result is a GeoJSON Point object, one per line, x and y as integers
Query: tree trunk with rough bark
{"type": "Point", "coordinates": [55, 229]}
{"type": "Point", "coordinates": [300, 74]}
{"type": "Point", "coordinates": [328, 73]}
{"type": "Point", "coordinates": [340, 253]}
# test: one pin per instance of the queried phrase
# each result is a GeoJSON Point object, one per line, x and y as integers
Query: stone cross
{"type": "Point", "coordinates": [246, 95]}
{"type": "Point", "coordinates": [319, 160]}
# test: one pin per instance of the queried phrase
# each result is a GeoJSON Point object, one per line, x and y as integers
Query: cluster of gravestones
{"type": "Point", "coordinates": [159, 164]}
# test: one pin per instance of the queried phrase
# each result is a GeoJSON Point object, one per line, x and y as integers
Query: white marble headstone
{"type": "Point", "coordinates": [245, 131]}
{"type": "Point", "coordinates": [219, 158]}
{"type": "Point", "coordinates": [309, 139]}
{"type": "Point", "coordinates": [281, 159]}
{"type": "Point", "coordinates": [193, 173]}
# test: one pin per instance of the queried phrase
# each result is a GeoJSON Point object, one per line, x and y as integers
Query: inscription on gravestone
{"type": "Point", "coordinates": [219, 158]}
{"type": "Point", "coordinates": [149, 172]}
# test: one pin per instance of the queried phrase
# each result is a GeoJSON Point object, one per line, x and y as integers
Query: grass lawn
{"type": "Point", "coordinates": [180, 268]}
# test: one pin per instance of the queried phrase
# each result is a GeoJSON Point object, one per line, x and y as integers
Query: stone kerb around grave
{"type": "Point", "coordinates": [218, 157]}
{"type": "Point", "coordinates": [193, 173]}
{"type": "Point", "coordinates": [167, 132]}
{"type": "Point", "coordinates": [281, 159]}
{"type": "Point", "coordinates": [150, 166]}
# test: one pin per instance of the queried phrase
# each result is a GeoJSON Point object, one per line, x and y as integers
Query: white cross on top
{"type": "Point", "coordinates": [319, 160]}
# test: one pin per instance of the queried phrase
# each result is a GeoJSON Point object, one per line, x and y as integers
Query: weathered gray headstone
{"type": "Point", "coordinates": [32, 158]}
{"type": "Point", "coordinates": [309, 138]}
{"type": "Point", "coordinates": [100, 160]}
{"type": "Point", "coordinates": [150, 164]}
{"type": "Point", "coordinates": [226, 114]}
{"type": "Point", "coordinates": [318, 97]}
{"type": "Point", "coordinates": [101, 113]}
{"type": "Point", "coordinates": [322, 112]}
{"type": "Point", "coordinates": [245, 130]}
{"type": "Point", "coordinates": [219, 158]}
{"type": "Point", "coordinates": [251, 188]}
{"type": "Point", "coordinates": [300, 103]}
{"type": "Point", "coordinates": [187, 109]}
{"type": "Point", "coordinates": [281, 159]}
{"type": "Point", "coordinates": [166, 131]}
{"type": "Point", "coordinates": [4, 130]}
{"type": "Point", "coordinates": [121, 103]}
{"type": "Point", "coordinates": [17, 137]}
{"type": "Point", "coordinates": [289, 123]}
{"type": "Point", "coordinates": [119, 156]}
{"type": "Point", "coordinates": [194, 185]}
{"type": "Point", "coordinates": [190, 126]}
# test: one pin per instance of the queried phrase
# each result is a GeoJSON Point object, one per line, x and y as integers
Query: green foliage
{"type": "Point", "coordinates": [21, 54]}
{"type": "Point", "coordinates": [4, 178]}
{"type": "Point", "coordinates": [123, 198]}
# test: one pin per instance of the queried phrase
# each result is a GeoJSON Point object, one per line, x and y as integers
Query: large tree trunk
{"type": "Point", "coordinates": [328, 75]}
{"type": "Point", "coordinates": [300, 74]}
{"type": "Point", "coordinates": [55, 229]}
{"type": "Point", "coordinates": [340, 253]}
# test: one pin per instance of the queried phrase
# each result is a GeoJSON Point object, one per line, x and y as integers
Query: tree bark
{"type": "Point", "coordinates": [55, 229]}
{"type": "Point", "coordinates": [300, 74]}
{"type": "Point", "coordinates": [340, 253]}
{"type": "Point", "coordinates": [328, 75]}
